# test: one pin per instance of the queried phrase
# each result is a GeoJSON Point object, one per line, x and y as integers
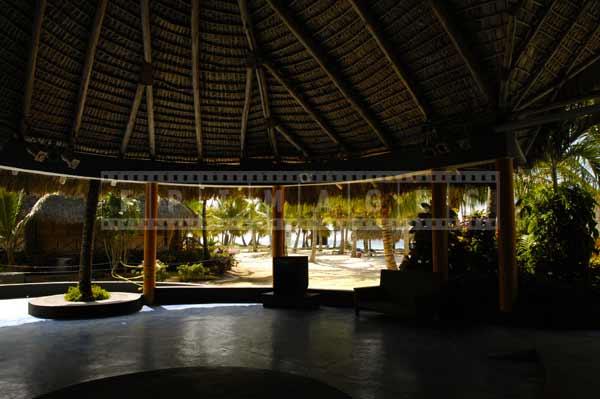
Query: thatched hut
{"type": "Point", "coordinates": [55, 230]}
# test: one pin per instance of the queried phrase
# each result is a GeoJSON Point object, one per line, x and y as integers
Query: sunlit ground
{"type": "Point", "coordinates": [330, 271]}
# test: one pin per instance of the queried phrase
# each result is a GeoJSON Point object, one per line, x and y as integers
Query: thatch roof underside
{"type": "Point", "coordinates": [267, 79]}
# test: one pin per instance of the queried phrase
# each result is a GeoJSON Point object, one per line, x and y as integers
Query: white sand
{"type": "Point", "coordinates": [331, 271]}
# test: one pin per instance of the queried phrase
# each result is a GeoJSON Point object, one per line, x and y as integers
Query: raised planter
{"type": "Point", "coordinates": [56, 307]}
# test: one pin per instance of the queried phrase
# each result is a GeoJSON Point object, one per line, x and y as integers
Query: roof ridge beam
{"type": "Point", "coordinates": [442, 13]}
{"type": "Point", "coordinates": [137, 101]}
{"type": "Point", "coordinates": [291, 140]}
{"type": "Point", "coordinates": [332, 72]}
{"type": "Point", "coordinates": [293, 91]}
{"type": "Point", "coordinates": [87, 67]}
{"type": "Point", "coordinates": [196, 75]}
{"type": "Point", "coordinates": [392, 56]}
{"type": "Point", "coordinates": [145, 5]}
{"type": "Point", "coordinates": [246, 110]}
{"type": "Point", "coordinates": [36, 32]}
{"type": "Point", "coordinates": [260, 75]}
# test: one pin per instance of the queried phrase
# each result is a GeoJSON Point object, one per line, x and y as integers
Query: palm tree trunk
{"type": "Point", "coordinates": [334, 237]}
{"type": "Point", "coordinates": [243, 240]}
{"type": "Point", "coordinates": [406, 242]}
{"type": "Point", "coordinates": [87, 241]}
{"type": "Point", "coordinates": [354, 254]}
{"type": "Point", "coordinates": [342, 241]}
{"type": "Point", "coordinates": [295, 250]}
{"type": "Point", "coordinates": [10, 253]}
{"type": "Point", "coordinates": [205, 251]}
{"type": "Point", "coordinates": [320, 240]}
{"type": "Point", "coordinates": [313, 245]}
{"type": "Point", "coordinates": [388, 244]}
{"type": "Point", "coordinates": [554, 170]}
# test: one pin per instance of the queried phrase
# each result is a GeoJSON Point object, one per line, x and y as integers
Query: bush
{"type": "Point", "coordinates": [560, 231]}
{"type": "Point", "coordinates": [162, 270]}
{"type": "Point", "coordinates": [193, 272]}
{"type": "Point", "coordinates": [98, 293]}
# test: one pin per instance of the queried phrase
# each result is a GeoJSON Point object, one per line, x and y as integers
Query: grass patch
{"type": "Point", "coordinates": [74, 294]}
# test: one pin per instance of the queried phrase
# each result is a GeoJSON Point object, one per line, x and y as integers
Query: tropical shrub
{"type": "Point", "coordinates": [98, 293]}
{"type": "Point", "coordinates": [193, 272]}
{"type": "Point", "coordinates": [560, 233]}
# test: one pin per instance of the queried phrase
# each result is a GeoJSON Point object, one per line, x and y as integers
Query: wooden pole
{"type": "Point", "coordinates": [278, 222]}
{"type": "Point", "coordinates": [439, 233]}
{"type": "Point", "coordinates": [87, 241]}
{"type": "Point", "coordinates": [507, 266]}
{"type": "Point", "coordinates": [150, 241]}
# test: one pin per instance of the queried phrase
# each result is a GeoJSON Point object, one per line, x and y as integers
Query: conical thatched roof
{"type": "Point", "coordinates": [64, 210]}
{"type": "Point", "coordinates": [219, 80]}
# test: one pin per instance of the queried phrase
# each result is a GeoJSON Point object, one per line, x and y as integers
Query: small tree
{"type": "Point", "coordinates": [560, 230]}
{"type": "Point", "coordinates": [12, 223]}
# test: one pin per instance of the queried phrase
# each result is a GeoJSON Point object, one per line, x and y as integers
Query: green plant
{"type": "Point", "coordinates": [162, 270]}
{"type": "Point", "coordinates": [193, 272]}
{"type": "Point", "coordinates": [98, 293]}
{"type": "Point", "coordinates": [560, 231]}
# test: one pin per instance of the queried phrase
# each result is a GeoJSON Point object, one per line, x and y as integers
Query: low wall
{"type": "Point", "coordinates": [174, 293]}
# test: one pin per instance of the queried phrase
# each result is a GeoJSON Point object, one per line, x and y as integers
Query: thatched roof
{"type": "Point", "coordinates": [267, 79]}
{"type": "Point", "coordinates": [64, 210]}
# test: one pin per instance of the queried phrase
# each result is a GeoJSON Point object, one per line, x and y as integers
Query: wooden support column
{"type": "Point", "coordinates": [507, 265]}
{"type": "Point", "coordinates": [278, 222]}
{"type": "Point", "coordinates": [439, 233]}
{"type": "Point", "coordinates": [150, 241]}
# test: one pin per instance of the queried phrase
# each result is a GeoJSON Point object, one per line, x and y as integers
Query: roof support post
{"type": "Point", "coordinates": [38, 19]}
{"type": "Point", "coordinates": [87, 67]}
{"type": "Point", "coordinates": [150, 241]}
{"type": "Point", "coordinates": [278, 221]}
{"type": "Point", "coordinates": [148, 60]}
{"type": "Point", "coordinates": [507, 267]}
{"type": "Point", "coordinates": [332, 72]}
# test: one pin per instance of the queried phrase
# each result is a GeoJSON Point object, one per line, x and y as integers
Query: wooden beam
{"type": "Point", "coordinates": [148, 59]}
{"type": "Point", "coordinates": [150, 241]}
{"type": "Point", "coordinates": [246, 111]}
{"type": "Point", "coordinates": [278, 221]}
{"type": "Point", "coordinates": [328, 67]}
{"type": "Point", "coordinates": [476, 70]}
{"type": "Point", "coordinates": [36, 32]}
{"type": "Point", "coordinates": [291, 140]}
{"type": "Point", "coordinates": [196, 74]}
{"type": "Point", "coordinates": [534, 76]}
{"type": "Point", "coordinates": [313, 113]}
{"type": "Point", "coordinates": [548, 118]}
{"type": "Point", "coordinates": [87, 67]}
{"type": "Point", "coordinates": [507, 262]}
{"type": "Point", "coordinates": [260, 75]}
{"type": "Point", "coordinates": [137, 101]}
{"type": "Point", "coordinates": [533, 34]}
{"type": "Point", "coordinates": [390, 54]}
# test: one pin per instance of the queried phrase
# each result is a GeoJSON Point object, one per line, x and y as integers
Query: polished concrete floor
{"type": "Point", "coordinates": [368, 357]}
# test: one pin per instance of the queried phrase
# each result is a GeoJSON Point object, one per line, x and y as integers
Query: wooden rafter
{"type": "Point", "coordinates": [533, 34]}
{"type": "Point", "coordinates": [291, 140]}
{"type": "Point", "coordinates": [32, 64]}
{"type": "Point", "coordinates": [295, 93]}
{"type": "Point", "coordinates": [260, 76]}
{"type": "Point", "coordinates": [570, 73]}
{"type": "Point", "coordinates": [87, 67]}
{"type": "Point", "coordinates": [137, 101]}
{"type": "Point", "coordinates": [196, 74]}
{"type": "Point", "coordinates": [246, 111]}
{"type": "Point", "coordinates": [148, 59]}
{"type": "Point", "coordinates": [509, 47]}
{"type": "Point", "coordinates": [390, 54]}
{"type": "Point", "coordinates": [315, 50]}
{"type": "Point", "coordinates": [547, 118]}
{"type": "Point", "coordinates": [534, 76]}
{"type": "Point", "coordinates": [476, 70]}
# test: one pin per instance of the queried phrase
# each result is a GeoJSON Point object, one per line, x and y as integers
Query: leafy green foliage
{"type": "Point", "coordinates": [98, 293]}
{"type": "Point", "coordinates": [193, 272]}
{"type": "Point", "coordinates": [560, 230]}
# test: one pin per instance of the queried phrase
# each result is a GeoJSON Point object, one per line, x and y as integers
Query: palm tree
{"type": "Point", "coordinates": [87, 241]}
{"type": "Point", "coordinates": [11, 224]}
{"type": "Point", "coordinates": [569, 152]}
{"type": "Point", "coordinates": [255, 214]}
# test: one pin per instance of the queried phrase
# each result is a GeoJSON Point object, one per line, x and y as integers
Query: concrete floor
{"type": "Point", "coordinates": [369, 357]}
